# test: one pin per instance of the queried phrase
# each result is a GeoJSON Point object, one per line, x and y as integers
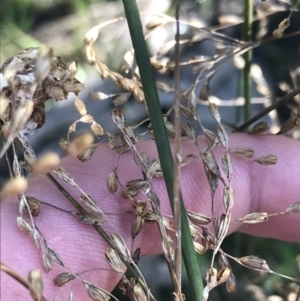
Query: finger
{"type": "Point", "coordinates": [82, 249]}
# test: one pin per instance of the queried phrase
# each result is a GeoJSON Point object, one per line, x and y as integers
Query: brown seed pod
{"type": "Point", "coordinates": [137, 184]}
{"type": "Point", "coordinates": [112, 182]}
{"type": "Point", "coordinates": [231, 285]}
{"type": "Point", "coordinates": [258, 128]}
{"type": "Point", "coordinates": [24, 225]}
{"type": "Point", "coordinates": [204, 91]}
{"type": "Point", "coordinates": [245, 152]}
{"type": "Point", "coordinates": [198, 218]}
{"type": "Point", "coordinates": [254, 218]}
{"type": "Point", "coordinates": [213, 180]}
{"type": "Point", "coordinates": [136, 255]}
{"type": "Point", "coordinates": [199, 248]}
{"type": "Point", "coordinates": [214, 111]}
{"type": "Point", "coordinates": [96, 293]}
{"type": "Point", "coordinates": [47, 262]}
{"type": "Point", "coordinates": [121, 99]}
{"type": "Point", "coordinates": [294, 208]}
{"type": "Point", "coordinates": [210, 161]}
{"type": "Point", "coordinates": [223, 275]}
{"type": "Point", "coordinates": [121, 245]}
{"type": "Point", "coordinates": [139, 293]}
{"type": "Point", "coordinates": [228, 198]}
{"type": "Point", "coordinates": [36, 280]}
{"type": "Point", "coordinates": [33, 204]}
{"type": "Point", "coordinates": [54, 256]}
{"type": "Point", "coordinates": [114, 260]}
{"type": "Point", "coordinates": [137, 226]}
{"type": "Point", "coordinates": [254, 263]}
{"type": "Point", "coordinates": [222, 136]}
{"type": "Point", "coordinates": [161, 86]}
{"type": "Point", "coordinates": [87, 154]}
{"type": "Point", "coordinates": [63, 278]}
{"type": "Point", "coordinates": [190, 132]}
{"type": "Point", "coordinates": [267, 160]}
{"type": "Point", "coordinates": [227, 165]}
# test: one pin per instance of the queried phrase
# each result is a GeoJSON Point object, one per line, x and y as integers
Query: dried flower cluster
{"type": "Point", "coordinates": [35, 75]}
{"type": "Point", "coordinates": [29, 79]}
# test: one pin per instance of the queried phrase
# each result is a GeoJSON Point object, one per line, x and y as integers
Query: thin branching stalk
{"type": "Point", "coordinates": [131, 272]}
{"type": "Point", "coordinates": [177, 121]}
{"type": "Point", "coordinates": [281, 101]}
{"type": "Point", "coordinates": [247, 37]}
{"type": "Point", "coordinates": [161, 140]}
{"type": "Point", "coordinates": [22, 281]}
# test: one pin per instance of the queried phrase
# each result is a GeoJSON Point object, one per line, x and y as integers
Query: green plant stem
{"type": "Point", "coordinates": [177, 125]}
{"type": "Point", "coordinates": [162, 142]}
{"type": "Point", "coordinates": [247, 37]}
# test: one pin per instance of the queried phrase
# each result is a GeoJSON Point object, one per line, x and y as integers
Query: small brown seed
{"type": "Point", "coordinates": [137, 226]}
{"type": "Point", "coordinates": [47, 262]}
{"type": "Point", "coordinates": [294, 208]}
{"type": "Point", "coordinates": [227, 165]}
{"type": "Point", "coordinates": [121, 245]}
{"type": "Point", "coordinates": [90, 203]}
{"type": "Point", "coordinates": [228, 198]}
{"type": "Point", "coordinates": [112, 182]}
{"type": "Point", "coordinates": [114, 260]}
{"type": "Point", "coordinates": [267, 160]}
{"type": "Point", "coordinates": [95, 292]}
{"type": "Point", "coordinates": [210, 161]}
{"type": "Point", "coordinates": [199, 248]}
{"type": "Point", "coordinates": [24, 225]}
{"type": "Point", "coordinates": [80, 106]}
{"type": "Point", "coordinates": [97, 129]}
{"type": "Point", "coordinates": [231, 285]}
{"type": "Point", "coordinates": [256, 217]}
{"type": "Point", "coordinates": [222, 136]}
{"type": "Point", "coordinates": [36, 280]}
{"type": "Point", "coordinates": [136, 184]}
{"type": "Point", "coordinates": [245, 152]}
{"type": "Point", "coordinates": [213, 181]}
{"type": "Point", "coordinates": [258, 128]}
{"type": "Point", "coordinates": [33, 204]}
{"type": "Point", "coordinates": [255, 263]}
{"type": "Point", "coordinates": [214, 111]}
{"type": "Point", "coordinates": [223, 275]}
{"type": "Point", "coordinates": [204, 91]}
{"type": "Point", "coordinates": [63, 278]}
{"type": "Point", "coordinates": [198, 218]}
{"type": "Point", "coordinates": [87, 154]}
{"type": "Point", "coordinates": [139, 293]}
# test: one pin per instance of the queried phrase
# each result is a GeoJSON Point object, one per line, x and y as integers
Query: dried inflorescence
{"type": "Point", "coordinates": [28, 80]}
{"type": "Point", "coordinates": [35, 75]}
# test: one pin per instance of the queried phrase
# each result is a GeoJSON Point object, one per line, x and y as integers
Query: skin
{"type": "Point", "coordinates": [257, 188]}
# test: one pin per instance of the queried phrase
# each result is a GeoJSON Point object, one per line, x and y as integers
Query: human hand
{"type": "Point", "coordinates": [257, 188]}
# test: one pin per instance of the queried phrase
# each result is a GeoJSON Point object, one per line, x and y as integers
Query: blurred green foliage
{"type": "Point", "coordinates": [22, 19]}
